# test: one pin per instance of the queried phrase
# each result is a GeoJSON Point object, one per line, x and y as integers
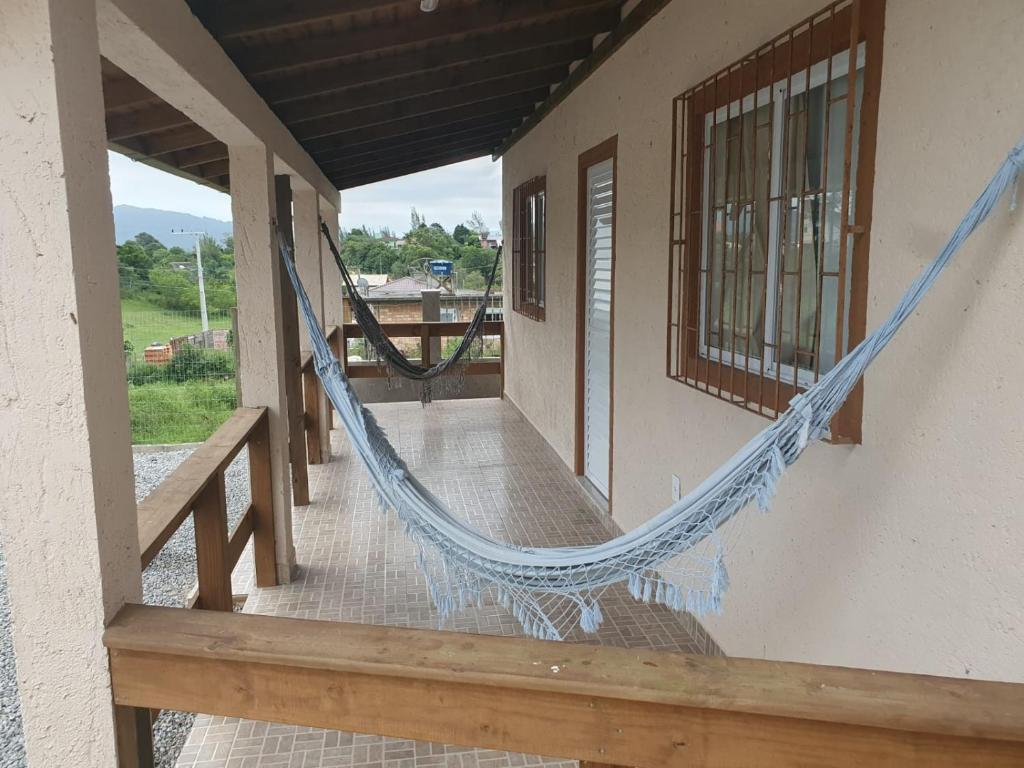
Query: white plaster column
{"type": "Point", "coordinates": [260, 332]}
{"type": "Point", "coordinates": [309, 261]}
{"type": "Point", "coordinates": [67, 504]}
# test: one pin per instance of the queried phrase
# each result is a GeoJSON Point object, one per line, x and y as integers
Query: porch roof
{"type": "Point", "coordinates": [374, 89]}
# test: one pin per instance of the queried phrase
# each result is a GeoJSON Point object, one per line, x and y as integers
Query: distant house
{"type": "Point", "coordinates": [489, 243]}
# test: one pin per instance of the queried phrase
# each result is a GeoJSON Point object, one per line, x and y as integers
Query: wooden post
{"type": "Point", "coordinates": [332, 339]}
{"type": "Point", "coordinates": [501, 341]}
{"type": "Point", "coordinates": [212, 567]}
{"type": "Point", "coordinates": [134, 737]}
{"type": "Point", "coordinates": [311, 398]}
{"type": "Point", "coordinates": [342, 353]}
{"type": "Point", "coordinates": [262, 493]}
{"type": "Point", "coordinates": [425, 345]}
{"type": "Point", "coordinates": [292, 361]}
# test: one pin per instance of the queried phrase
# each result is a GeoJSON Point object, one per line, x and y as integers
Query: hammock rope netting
{"type": "Point", "coordinates": [677, 557]}
{"type": "Point", "coordinates": [447, 375]}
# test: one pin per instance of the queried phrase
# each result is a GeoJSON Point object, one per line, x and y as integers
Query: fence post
{"type": "Point", "coordinates": [238, 362]}
{"type": "Point", "coordinates": [134, 737]}
{"type": "Point", "coordinates": [260, 483]}
{"type": "Point", "coordinates": [311, 398]}
{"type": "Point", "coordinates": [211, 525]}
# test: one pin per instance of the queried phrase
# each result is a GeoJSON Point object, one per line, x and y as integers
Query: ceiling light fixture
{"type": "Point", "coordinates": [428, 6]}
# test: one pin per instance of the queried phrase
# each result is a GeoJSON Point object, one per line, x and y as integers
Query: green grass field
{"type": "Point", "coordinates": [168, 412]}
{"type": "Point", "coordinates": [179, 413]}
{"type": "Point", "coordinates": [145, 323]}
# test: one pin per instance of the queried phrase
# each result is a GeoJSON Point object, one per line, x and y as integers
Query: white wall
{"type": "Point", "coordinates": [901, 553]}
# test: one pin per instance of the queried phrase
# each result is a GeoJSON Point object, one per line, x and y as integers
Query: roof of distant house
{"type": "Point", "coordinates": [373, 280]}
{"type": "Point", "coordinates": [404, 287]}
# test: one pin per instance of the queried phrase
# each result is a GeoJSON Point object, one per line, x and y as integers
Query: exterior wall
{"type": "Point", "coordinates": [903, 552]}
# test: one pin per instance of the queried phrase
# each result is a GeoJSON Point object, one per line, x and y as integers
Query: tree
{"type": "Point", "coordinates": [477, 224]}
{"type": "Point", "coordinates": [463, 235]}
{"type": "Point", "coordinates": [416, 220]}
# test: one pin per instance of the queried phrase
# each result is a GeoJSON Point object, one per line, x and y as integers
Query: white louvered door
{"type": "Point", "coordinates": [598, 318]}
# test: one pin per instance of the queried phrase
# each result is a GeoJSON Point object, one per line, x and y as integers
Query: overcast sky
{"type": "Point", "coordinates": [445, 195]}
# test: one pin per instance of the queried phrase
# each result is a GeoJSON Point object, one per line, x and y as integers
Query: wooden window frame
{"type": "Point", "coordinates": [843, 26]}
{"type": "Point", "coordinates": [529, 253]}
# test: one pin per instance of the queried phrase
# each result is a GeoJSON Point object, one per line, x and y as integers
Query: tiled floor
{"type": "Point", "coordinates": [490, 465]}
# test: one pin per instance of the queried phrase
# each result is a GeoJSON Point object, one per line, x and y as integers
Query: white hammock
{"type": "Point", "coordinates": [675, 558]}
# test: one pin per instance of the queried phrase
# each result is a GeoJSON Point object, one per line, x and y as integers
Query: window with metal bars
{"type": "Point", "coordinates": [773, 160]}
{"type": "Point", "coordinates": [529, 219]}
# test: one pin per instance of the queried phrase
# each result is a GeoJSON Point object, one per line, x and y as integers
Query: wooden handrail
{"type": "Point", "coordinates": [197, 487]}
{"type": "Point", "coordinates": [608, 705]}
{"type": "Point", "coordinates": [432, 328]}
{"type": "Point", "coordinates": [424, 331]}
{"type": "Point", "coordinates": [162, 512]}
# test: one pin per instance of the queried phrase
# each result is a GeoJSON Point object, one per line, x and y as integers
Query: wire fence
{"type": "Point", "coordinates": [181, 379]}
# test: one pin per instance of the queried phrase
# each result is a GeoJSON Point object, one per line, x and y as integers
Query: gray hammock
{"type": "Point", "coordinates": [449, 372]}
{"type": "Point", "coordinates": [676, 558]}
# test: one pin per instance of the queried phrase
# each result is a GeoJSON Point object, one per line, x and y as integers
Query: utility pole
{"type": "Point", "coordinates": [199, 273]}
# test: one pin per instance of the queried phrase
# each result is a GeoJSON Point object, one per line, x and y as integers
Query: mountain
{"type": "Point", "coordinates": [129, 221]}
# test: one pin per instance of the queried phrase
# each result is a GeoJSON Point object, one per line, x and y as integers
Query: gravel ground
{"type": "Point", "coordinates": [167, 581]}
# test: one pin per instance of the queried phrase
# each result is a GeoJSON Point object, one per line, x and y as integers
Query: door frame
{"type": "Point", "coordinates": [606, 150]}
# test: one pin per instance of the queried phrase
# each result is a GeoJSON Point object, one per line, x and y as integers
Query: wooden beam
{"type": "Point", "coordinates": [640, 15]}
{"type": "Point", "coordinates": [120, 91]}
{"type": "Point", "coordinates": [176, 140]}
{"type": "Point", "coordinates": [448, 21]}
{"type": "Point", "coordinates": [380, 152]}
{"type": "Point", "coordinates": [571, 32]}
{"type": "Point", "coordinates": [206, 153]}
{"type": "Point", "coordinates": [162, 511]}
{"type": "Point", "coordinates": [611, 705]}
{"type": "Point", "coordinates": [519, 102]}
{"type": "Point", "coordinates": [537, 83]}
{"type": "Point", "coordinates": [393, 172]}
{"type": "Point", "coordinates": [403, 153]}
{"type": "Point", "coordinates": [225, 19]}
{"type": "Point", "coordinates": [495, 71]}
{"type": "Point", "coordinates": [212, 169]}
{"type": "Point", "coordinates": [139, 122]}
{"type": "Point", "coordinates": [370, 370]}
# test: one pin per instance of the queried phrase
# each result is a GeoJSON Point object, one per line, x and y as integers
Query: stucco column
{"type": "Point", "coordinates": [67, 504]}
{"type": "Point", "coordinates": [309, 261]}
{"type": "Point", "coordinates": [260, 327]}
{"type": "Point", "coordinates": [334, 297]}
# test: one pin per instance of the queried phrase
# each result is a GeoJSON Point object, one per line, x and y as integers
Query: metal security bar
{"type": "Point", "coordinates": [765, 171]}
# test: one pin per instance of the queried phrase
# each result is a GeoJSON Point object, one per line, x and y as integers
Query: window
{"type": "Point", "coordinates": [772, 163]}
{"type": "Point", "coordinates": [449, 314]}
{"type": "Point", "coordinates": [529, 219]}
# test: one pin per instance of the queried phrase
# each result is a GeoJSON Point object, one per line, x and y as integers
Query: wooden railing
{"type": "Point", "coordinates": [598, 704]}
{"type": "Point", "coordinates": [424, 331]}
{"type": "Point", "coordinates": [197, 487]}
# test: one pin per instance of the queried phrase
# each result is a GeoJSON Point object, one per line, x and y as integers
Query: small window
{"type": "Point", "coordinates": [769, 265]}
{"type": "Point", "coordinates": [529, 221]}
{"type": "Point", "coordinates": [449, 314]}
